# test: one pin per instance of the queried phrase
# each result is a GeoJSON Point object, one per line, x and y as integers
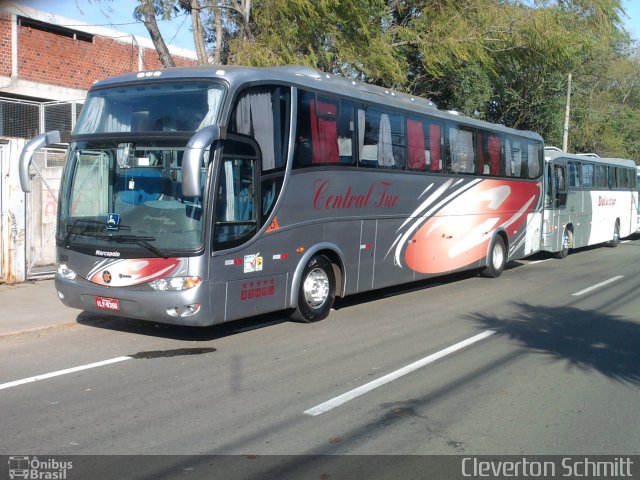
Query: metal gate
{"type": "Point", "coordinates": [42, 209]}
{"type": "Point", "coordinates": [3, 159]}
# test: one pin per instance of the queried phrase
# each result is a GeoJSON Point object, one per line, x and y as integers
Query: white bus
{"type": "Point", "coordinates": [638, 204]}
{"type": "Point", "coordinates": [201, 195]}
{"type": "Point", "coordinates": [588, 200]}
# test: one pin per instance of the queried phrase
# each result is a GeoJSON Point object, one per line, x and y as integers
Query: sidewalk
{"type": "Point", "coordinates": [32, 306]}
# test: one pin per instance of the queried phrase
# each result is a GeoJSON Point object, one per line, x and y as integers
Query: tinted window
{"type": "Point", "coordinates": [462, 150]}
{"type": "Point", "coordinates": [424, 145]}
{"type": "Point", "coordinates": [489, 154]}
{"type": "Point", "coordinates": [263, 113]}
{"type": "Point", "coordinates": [325, 131]}
{"type": "Point", "coordinates": [381, 138]}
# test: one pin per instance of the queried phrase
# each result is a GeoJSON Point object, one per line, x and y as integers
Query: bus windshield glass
{"type": "Point", "coordinates": [128, 196]}
{"type": "Point", "coordinates": [151, 107]}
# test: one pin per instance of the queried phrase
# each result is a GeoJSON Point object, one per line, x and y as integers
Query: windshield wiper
{"type": "Point", "coordinates": [140, 240]}
{"type": "Point", "coordinates": [81, 221]}
{"type": "Point", "coordinates": [86, 222]}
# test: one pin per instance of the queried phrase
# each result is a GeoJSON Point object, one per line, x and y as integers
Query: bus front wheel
{"type": "Point", "coordinates": [567, 243]}
{"type": "Point", "coordinates": [616, 236]}
{"type": "Point", "coordinates": [497, 258]}
{"type": "Point", "coordinates": [316, 292]}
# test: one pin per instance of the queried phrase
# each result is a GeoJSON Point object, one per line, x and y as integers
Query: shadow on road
{"type": "Point", "coordinates": [588, 340]}
{"type": "Point", "coordinates": [179, 332]}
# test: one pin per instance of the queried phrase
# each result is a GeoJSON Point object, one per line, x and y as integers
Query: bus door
{"type": "Point", "coordinates": [578, 215]}
{"type": "Point", "coordinates": [559, 199]}
{"type": "Point", "coordinates": [242, 271]}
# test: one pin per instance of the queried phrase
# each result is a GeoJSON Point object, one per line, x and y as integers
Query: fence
{"type": "Point", "coordinates": [26, 118]}
{"type": "Point", "coordinates": [27, 228]}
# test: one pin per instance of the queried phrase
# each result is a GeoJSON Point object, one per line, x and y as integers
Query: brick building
{"type": "Point", "coordinates": [47, 65]}
{"type": "Point", "coordinates": [46, 57]}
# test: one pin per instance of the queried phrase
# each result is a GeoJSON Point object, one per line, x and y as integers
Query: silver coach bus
{"type": "Point", "coordinates": [201, 195]}
{"type": "Point", "coordinates": [588, 200]}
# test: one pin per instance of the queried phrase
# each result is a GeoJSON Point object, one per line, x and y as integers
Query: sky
{"type": "Point", "coordinates": [118, 14]}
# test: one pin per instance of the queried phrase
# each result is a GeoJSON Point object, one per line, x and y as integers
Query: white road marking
{"type": "Point", "coordinates": [44, 376]}
{"type": "Point", "coordinates": [539, 261]}
{"type": "Point", "coordinates": [345, 397]}
{"type": "Point", "coordinates": [601, 284]}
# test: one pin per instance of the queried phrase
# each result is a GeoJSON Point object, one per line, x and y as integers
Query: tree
{"type": "Point", "coordinates": [344, 37]}
{"type": "Point", "coordinates": [146, 10]}
{"type": "Point", "coordinates": [213, 23]}
{"type": "Point", "coordinates": [505, 61]}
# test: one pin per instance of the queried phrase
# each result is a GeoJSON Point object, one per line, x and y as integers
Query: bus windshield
{"type": "Point", "coordinates": [128, 197]}
{"type": "Point", "coordinates": [151, 107]}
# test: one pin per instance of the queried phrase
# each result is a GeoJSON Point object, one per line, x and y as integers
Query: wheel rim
{"type": "Point", "coordinates": [316, 288]}
{"type": "Point", "coordinates": [497, 257]}
{"type": "Point", "coordinates": [565, 241]}
{"type": "Point", "coordinates": [616, 234]}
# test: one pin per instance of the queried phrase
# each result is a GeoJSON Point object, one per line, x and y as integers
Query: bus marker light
{"type": "Point", "coordinates": [191, 282]}
{"type": "Point", "coordinates": [281, 256]}
{"type": "Point", "coordinates": [299, 249]}
{"type": "Point", "coordinates": [365, 246]}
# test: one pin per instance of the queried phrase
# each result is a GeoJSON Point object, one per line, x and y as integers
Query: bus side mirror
{"type": "Point", "coordinates": [192, 158]}
{"type": "Point", "coordinates": [37, 142]}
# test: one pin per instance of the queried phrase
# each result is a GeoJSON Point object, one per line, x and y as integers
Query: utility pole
{"type": "Point", "coordinates": [565, 135]}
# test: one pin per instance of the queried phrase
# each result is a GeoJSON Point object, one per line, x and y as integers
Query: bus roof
{"type": "Point", "coordinates": [308, 77]}
{"type": "Point", "coordinates": [551, 155]}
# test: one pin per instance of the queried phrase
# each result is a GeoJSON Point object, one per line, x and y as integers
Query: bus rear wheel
{"type": "Point", "coordinates": [567, 243]}
{"type": "Point", "coordinates": [316, 292]}
{"type": "Point", "coordinates": [616, 236]}
{"type": "Point", "coordinates": [497, 258]}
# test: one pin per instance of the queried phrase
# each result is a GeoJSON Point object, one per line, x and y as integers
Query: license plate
{"type": "Point", "coordinates": [108, 303]}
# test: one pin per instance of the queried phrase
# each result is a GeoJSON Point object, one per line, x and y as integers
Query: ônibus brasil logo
{"type": "Point", "coordinates": [34, 468]}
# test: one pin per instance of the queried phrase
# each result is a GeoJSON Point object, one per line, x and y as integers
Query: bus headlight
{"type": "Point", "coordinates": [175, 283]}
{"type": "Point", "coordinates": [65, 272]}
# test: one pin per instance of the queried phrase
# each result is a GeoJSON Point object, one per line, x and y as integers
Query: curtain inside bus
{"type": "Point", "coordinates": [415, 145]}
{"type": "Point", "coordinates": [254, 116]}
{"type": "Point", "coordinates": [324, 131]}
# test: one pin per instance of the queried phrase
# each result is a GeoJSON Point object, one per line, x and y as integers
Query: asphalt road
{"type": "Point", "coordinates": [534, 362]}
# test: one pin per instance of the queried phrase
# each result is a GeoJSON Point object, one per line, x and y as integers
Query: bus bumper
{"type": "Point", "coordinates": [183, 307]}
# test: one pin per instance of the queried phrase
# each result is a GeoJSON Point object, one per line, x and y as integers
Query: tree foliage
{"type": "Point", "coordinates": [505, 61]}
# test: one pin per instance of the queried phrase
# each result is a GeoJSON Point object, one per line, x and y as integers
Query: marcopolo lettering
{"type": "Point", "coordinates": [103, 253]}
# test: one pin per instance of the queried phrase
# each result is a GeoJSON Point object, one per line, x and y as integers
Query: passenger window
{"type": "Point", "coordinates": [381, 138]}
{"type": "Point", "coordinates": [489, 154]}
{"type": "Point", "coordinates": [534, 159]}
{"type": "Point", "coordinates": [262, 113]}
{"type": "Point", "coordinates": [613, 178]}
{"type": "Point", "coordinates": [587, 175]}
{"type": "Point", "coordinates": [324, 133]}
{"type": "Point", "coordinates": [346, 133]}
{"type": "Point", "coordinates": [602, 180]}
{"type": "Point", "coordinates": [462, 143]}
{"type": "Point", "coordinates": [514, 154]}
{"type": "Point", "coordinates": [423, 146]}
{"type": "Point", "coordinates": [574, 175]}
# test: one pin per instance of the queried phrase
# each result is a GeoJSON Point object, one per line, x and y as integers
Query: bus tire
{"type": "Point", "coordinates": [496, 259]}
{"type": "Point", "coordinates": [613, 243]}
{"type": "Point", "coordinates": [567, 243]}
{"type": "Point", "coordinates": [316, 292]}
